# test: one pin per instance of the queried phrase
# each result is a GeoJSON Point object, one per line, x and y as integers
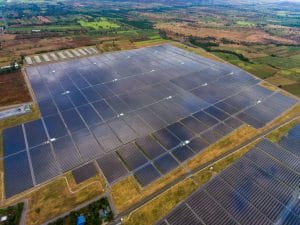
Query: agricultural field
{"type": "Point", "coordinates": [101, 24]}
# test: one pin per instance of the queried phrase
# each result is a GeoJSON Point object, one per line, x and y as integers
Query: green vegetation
{"type": "Point", "coordinates": [101, 24]}
{"type": "Point", "coordinates": [244, 23]}
{"type": "Point", "coordinates": [95, 213]}
{"type": "Point", "coordinates": [13, 214]}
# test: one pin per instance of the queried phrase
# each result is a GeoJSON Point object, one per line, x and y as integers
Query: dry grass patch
{"type": "Point", "coordinates": [198, 51]}
{"type": "Point", "coordinates": [158, 207]}
{"type": "Point", "coordinates": [128, 192]}
{"type": "Point", "coordinates": [268, 86]}
{"type": "Point", "coordinates": [56, 198]}
{"type": "Point", "coordinates": [237, 137]}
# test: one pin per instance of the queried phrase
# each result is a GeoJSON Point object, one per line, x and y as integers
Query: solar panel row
{"type": "Point", "coordinates": [259, 188]}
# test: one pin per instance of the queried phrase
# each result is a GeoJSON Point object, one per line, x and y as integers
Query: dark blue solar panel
{"type": "Point", "coordinates": [180, 131]}
{"type": "Point", "coordinates": [167, 139]}
{"type": "Point", "coordinates": [90, 94]}
{"type": "Point", "coordinates": [219, 114]}
{"type": "Point", "coordinates": [13, 140]}
{"type": "Point", "coordinates": [205, 118]}
{"type": "Point", "coordinates": [112, 167]}
{"type": "Point", "coordinates": [132, 156]}
{"type": "Point", "coordinates": [183, 153]}
{"type": "Point", "coordinates": [223, 129]}
{"type": "Point", "coordinates": [89, 114]}
{"type": "Point", "coordinates": [44, 164]}
{"type": "Point", "coordinates": [146, 175]}
{"type": "Point", "coordinates": [103, 91]}
{"type": "Point", "coordinates": [17, 175]}
{"type": "Point", "coordinates": [104, 110]}
{"type": "Point", "coordinates": [226, 108]}
{"type": "Point", "coordinates": [73, 120]}
{"type": "Point", "coordinates": [35, 133]}
{"type": "Point", "coordinates": [68, 84]}
{"type": "Point", "coordinates": [198, 144]}
{"type": "Point", "coordinates": [47, 107]}
{"type": "Point", "coordinates": [194, 124]}
{"type": "Point", "coordinates": [233, 122]}
{"type": "Point", "coordinates": [250, 120]}
{"type": "Point", "coordinates": [79, 81]}
{"type": "Point", "coordinates": [84, 173]}
{"type": "Point", "coordinates": [150, 147]}
{"type": "Point", "coordinates": [77, 98]}
{"type": "Point", "coordinates": [66, 153]}
{"type": "Point", "coordinates": [87, 145]}
{"type": "Point", "coordinates": [63, 102]}
{"type": "Point", "coordinates": [165, 163]}
{"type": "Point", "coordinates": [55, 126]}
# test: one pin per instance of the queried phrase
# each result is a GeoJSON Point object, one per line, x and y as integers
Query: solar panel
{"type": "Point", "coordinates": [219, 114]}
{"type": "Point", "coordinates": [47, 107]}
{"type": "Point", "coordinates": [233, 122]}
{"type": "Point", "coordinates": [106, 137]}
{"type": "Point", "coordinates": [17, 176]}
{"type": "Point", "coordinates": [112, 167]}
{"type": "Point", "coordinates": [198, 144]}
{"type": "Point", "coordinates": [150, 147]}
{"type": "Point", "coordinates": [194, 124]}
{"type": "Point", "coordinates": [205, 118]}
{"type": "Point", "coordinates": [180, 131]}
{"type": "Point", "coordinates": [66, 153]}
{"type": "Point", "coordinates": [73, 120]}
{"type": "Point", "coordinates": [88, 147]}
{"type": "Point", "coordinates": [165, 163]}
{"type": "Point", "coordinates": [167, 139]}
{"type": "Point", "coordinates": [104, 110]}
{"type": "Point", "coordinates": [132, 156]}
{"type": "Point", "coordinates": [13, 140]}
{"type": "Point", "coordinates": [123, 131]}
{"type": "Point", "coordinates": [138, 125]}
{"type": "Point", "coordinates": [183, 153]}
{"type": "Point", "coordinates": [89, 115]}
{"type": "Point", "coordinates": [44, 163]}
{"type": "Point", "coordinates": [146, 175]}
{"type": "Point", "coordinates": [55, 126]}
{"type": "Point", "coordinates": [84, 173]}
{"type": "Point", "coordinates": [35, 133]}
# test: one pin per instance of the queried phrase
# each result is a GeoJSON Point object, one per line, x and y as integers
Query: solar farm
{"type": "Point", "coordinates": [262, 187]}
{"type": "Point", "coordinates": [140, 112]}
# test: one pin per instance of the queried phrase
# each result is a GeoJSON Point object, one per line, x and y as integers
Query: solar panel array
{"type": "Point", "coordinates": [134, 111]}
{"type": "Point", "coordinates": [262, 187]}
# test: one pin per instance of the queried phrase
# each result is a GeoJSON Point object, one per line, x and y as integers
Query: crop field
{"type": "Point", "coordinates": [101, 24]}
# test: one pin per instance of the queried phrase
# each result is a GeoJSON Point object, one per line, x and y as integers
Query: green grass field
{"type": "Point", "coordinates": [102, 24]}
{"type": "Point", "coordinates": [244, 23]}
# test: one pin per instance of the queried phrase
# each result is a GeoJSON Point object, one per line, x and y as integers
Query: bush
{"type": "Point", "coordinates": [91, 213]}
{"type": "Point", "coordinates": [13, 214]}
